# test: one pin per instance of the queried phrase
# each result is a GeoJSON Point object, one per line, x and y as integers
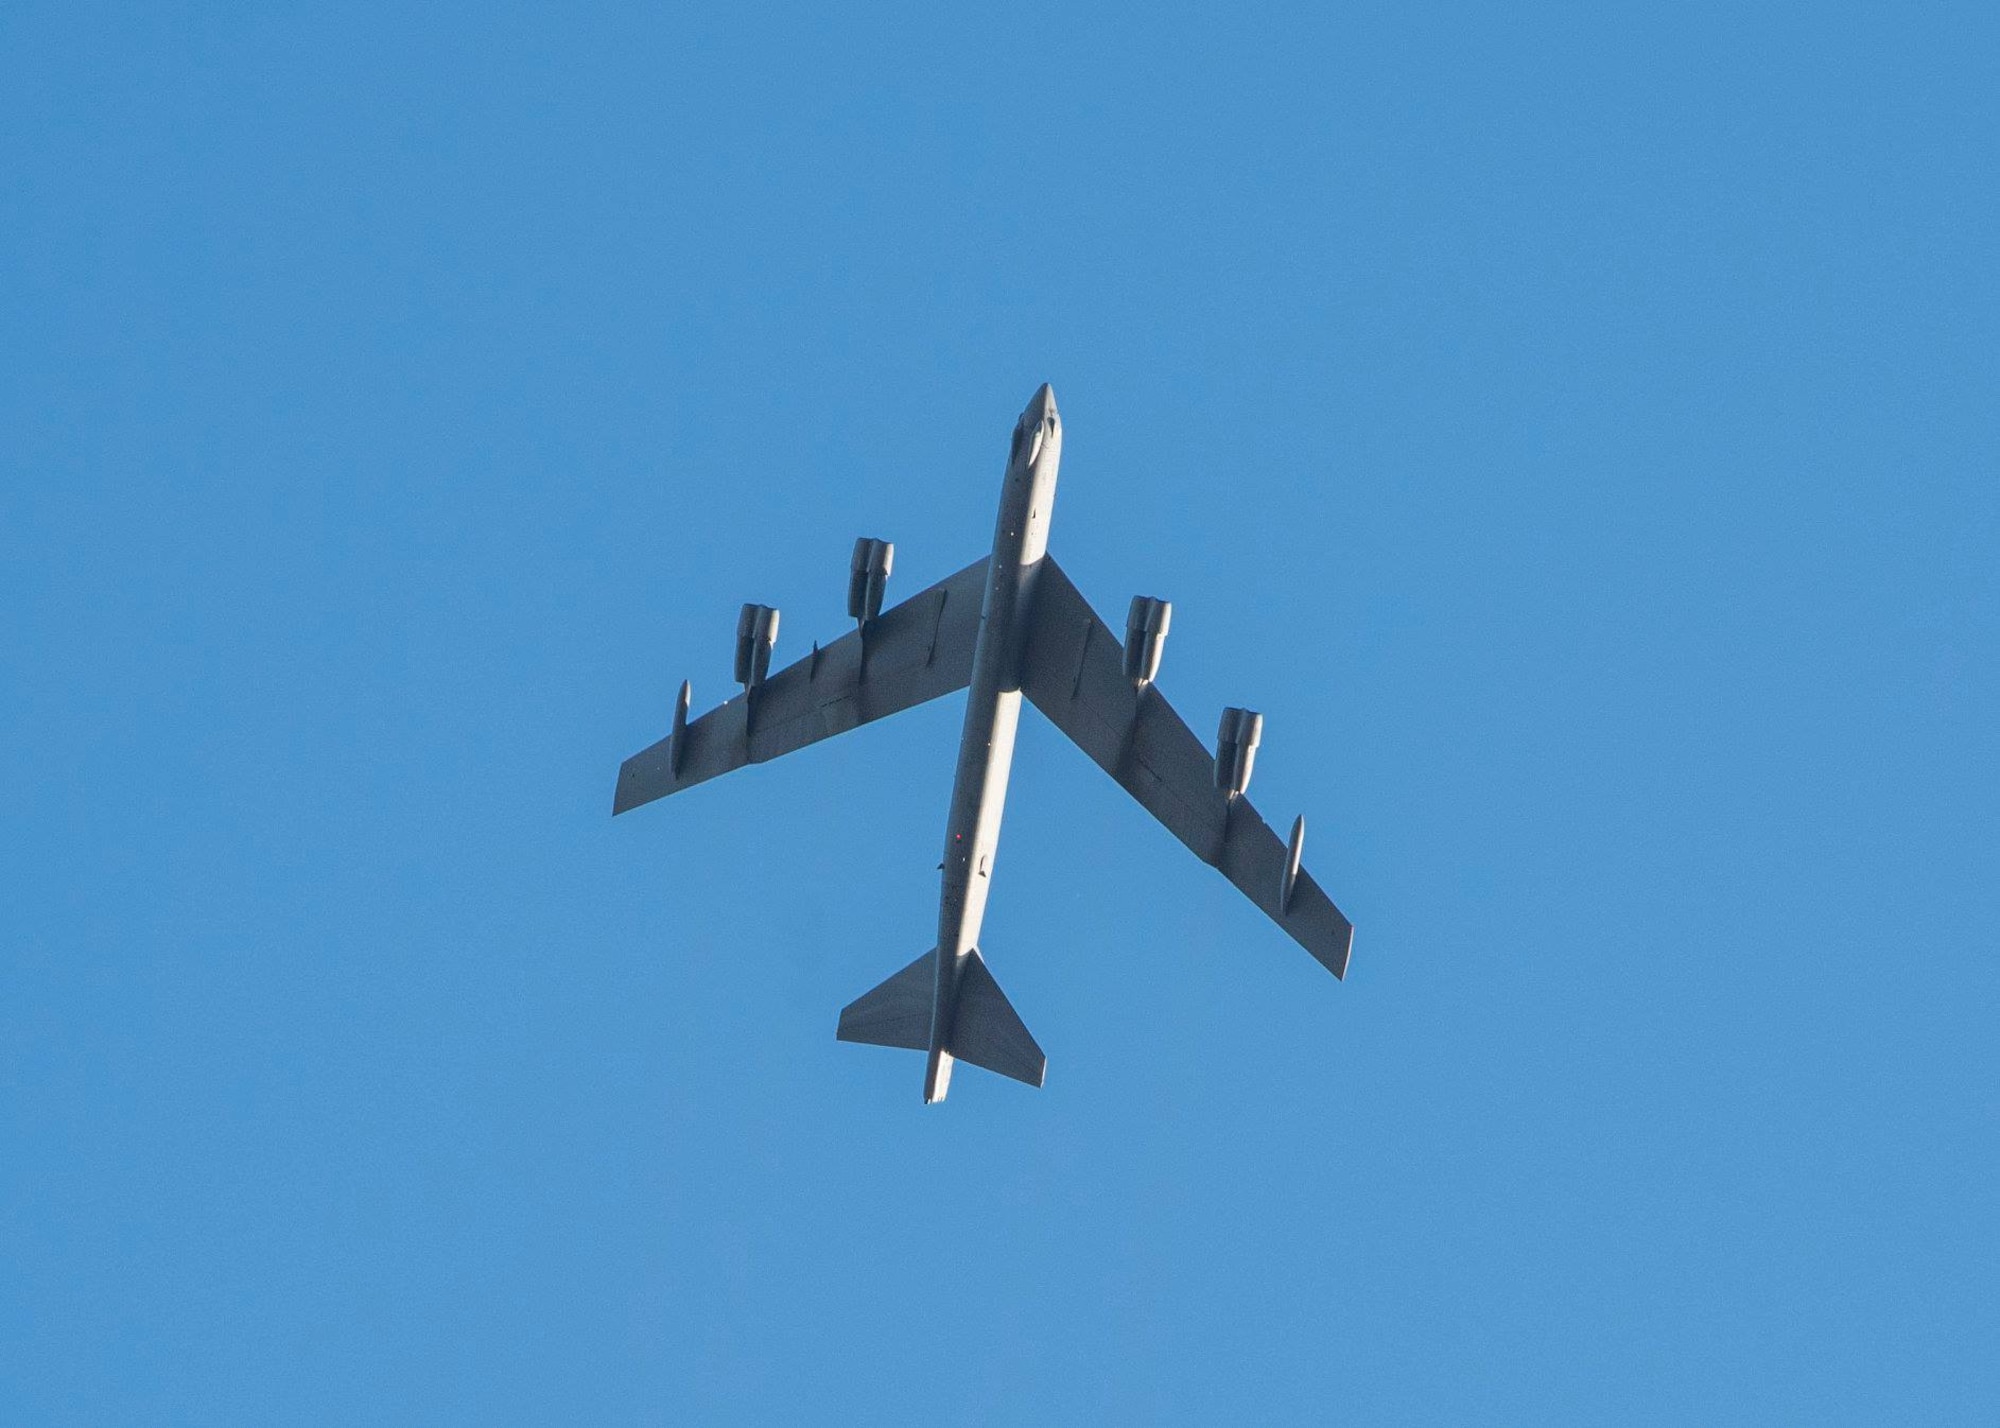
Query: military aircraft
{"type": "Point", "coordinates": [1010, 624]}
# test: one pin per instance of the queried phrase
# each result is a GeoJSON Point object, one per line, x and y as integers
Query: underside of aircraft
{"type": "Point", "coordinates": [1011, 624]}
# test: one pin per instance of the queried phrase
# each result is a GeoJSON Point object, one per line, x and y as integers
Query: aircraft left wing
{"type": "Point", "coordinates": [1074, 672]}
{"type": "Point", "coordinates": [916, 652]}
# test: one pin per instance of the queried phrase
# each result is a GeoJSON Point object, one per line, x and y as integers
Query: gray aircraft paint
{"type": "Point", "coordinates": [1009, 626]}
{"type": "Point", "coordinates": [992, 712]}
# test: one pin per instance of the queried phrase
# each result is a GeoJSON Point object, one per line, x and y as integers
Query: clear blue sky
{"type": "Point", "coordinates": [1574, 426]}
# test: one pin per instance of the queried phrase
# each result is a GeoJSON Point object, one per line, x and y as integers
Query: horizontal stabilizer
{"type": "Point", "coordinates": [987, 1032]}
{"type": "Point", "coordinates": [897, 1013]}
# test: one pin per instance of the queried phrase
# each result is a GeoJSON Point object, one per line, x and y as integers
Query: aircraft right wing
{"type": "Point", "coordinates": [1074, 672]}
{"type": "Point", "coordinates": [918, 651]}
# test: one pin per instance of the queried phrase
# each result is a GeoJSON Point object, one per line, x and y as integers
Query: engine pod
{"type": "Point", "coordinates": [756, 636]}
{"type": "Point", "coordinates": [1146, 638]}
{"type": "Point", "coordinates": [868, 577]}
{"type": "Point", "coordinates": [1236, 749]}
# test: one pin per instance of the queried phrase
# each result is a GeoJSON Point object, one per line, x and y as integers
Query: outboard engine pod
{"type": "Point", "coordinates": [1146, 638]}
{"type": "Point", "coordinates": [756, 636]}
{"type": "Point", "coordinates": [867, 575]}
{"type": "Point", "coordinates": [1236, 749]}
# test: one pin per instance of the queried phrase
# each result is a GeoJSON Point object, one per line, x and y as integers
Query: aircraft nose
{"type": "Point", "coordinates": [1042, 405]}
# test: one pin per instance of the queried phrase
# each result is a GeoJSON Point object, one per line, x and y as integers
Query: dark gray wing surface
{"type": "Point", "coordinates": [916, 652]}
{"type": "Point", "coordinates": [1074, 673]}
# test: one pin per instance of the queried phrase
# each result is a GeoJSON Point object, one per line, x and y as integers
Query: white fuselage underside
{"type": "Point", "coordinates": [992, 713]}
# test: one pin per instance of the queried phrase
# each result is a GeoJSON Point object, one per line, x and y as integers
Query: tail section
{"type": "Point", "coordinates": [988, 1032]}
{"type": "Point", "coordinates": [897, 1013]}
{"type": "Point", "coordinates": [983, 1029]}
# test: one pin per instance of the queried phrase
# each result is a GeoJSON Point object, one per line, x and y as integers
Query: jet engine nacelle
{"type": "Point", "coordinates": [1236, 749]}
{"type": "Point", "coordinates": [756, 636]}
{"type": "Point", "coordinates": [1146, 638]}
{"type": "Point", "coordinates": [867, 574]}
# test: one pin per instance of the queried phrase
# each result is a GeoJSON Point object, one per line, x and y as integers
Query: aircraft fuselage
{"type": "Point", "coordinates": [992, 712]}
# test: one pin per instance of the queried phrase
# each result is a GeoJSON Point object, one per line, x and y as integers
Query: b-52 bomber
{"type": "Point", "coordinates": [1010, 624]}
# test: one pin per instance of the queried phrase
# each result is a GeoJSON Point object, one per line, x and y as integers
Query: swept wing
{"type": "Point", "coordinates": [916, 652]}
{"type": "Point", "coordinates": [1074, 673]}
